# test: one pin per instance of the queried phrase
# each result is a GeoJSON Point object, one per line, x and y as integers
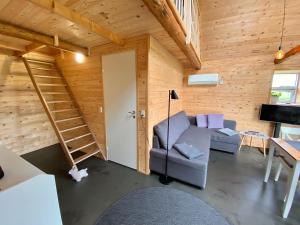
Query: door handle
{"type": "Point", "coordinates": [132, 113]}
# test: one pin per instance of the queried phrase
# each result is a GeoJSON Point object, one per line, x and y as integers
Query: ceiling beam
{"type": "Point", "coordinates": [30, 48]}
{"type": "Point", "coordinates": [29, 35]}
{"type": "Point", "coordinates": [6, 45]}
{"type": "Point", "coordinates": [163, 13]}
{"type": "Point", "coordinates": [79, 19]}
{"type": "Point", "coordinates": [290, 53]}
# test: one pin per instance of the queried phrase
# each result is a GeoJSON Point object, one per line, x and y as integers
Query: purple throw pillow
{"type": "Point", "coordinates": [215, 121]}
{"type": "Point", "coordinates": [201, 120]}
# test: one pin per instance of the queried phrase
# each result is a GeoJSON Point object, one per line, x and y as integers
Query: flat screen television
{"type": "Point", "coordinates": [280, 113]}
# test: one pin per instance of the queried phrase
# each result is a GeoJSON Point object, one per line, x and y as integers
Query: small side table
{"type": "Point", "coordinates": [254, 134]}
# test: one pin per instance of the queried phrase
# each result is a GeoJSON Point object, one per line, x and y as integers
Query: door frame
{"type": "Point", "coordinates": [136, 101]}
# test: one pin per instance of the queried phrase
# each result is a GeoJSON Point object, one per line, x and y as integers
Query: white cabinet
{"type": "Point", "coordinates": [27, 195]}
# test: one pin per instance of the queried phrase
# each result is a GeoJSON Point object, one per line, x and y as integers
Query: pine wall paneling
{"type": "Point", "coordinates": [238, 41]}
{"type": "Point", "coordinates": [165, 73]}
{"type": "Point", "coordinates": [157, 72]}
{"type": "Point", "coordinates": [24, 124]}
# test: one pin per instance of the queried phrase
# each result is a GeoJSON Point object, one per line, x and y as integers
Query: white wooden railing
{"type": "Point", "coordinates": [187, 13]}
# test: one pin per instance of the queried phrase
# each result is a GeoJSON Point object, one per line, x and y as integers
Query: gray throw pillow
{"type": "Point", "coordinates": [188, 151]}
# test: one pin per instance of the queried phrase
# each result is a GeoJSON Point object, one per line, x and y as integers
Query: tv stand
{"type": "Point", "coordinates": [277, 127]}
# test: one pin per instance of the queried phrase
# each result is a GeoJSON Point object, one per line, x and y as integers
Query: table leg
{"type": "Point", "coordinates": [243, 137]}
{"type": "Point", "coordinates": [278, 172]}
{"type": "Point", "coordinates": [269, 164]}
{"type": "Point", "coordinates": [264, 146]}
{"type": "Point", "coordinates": [293, 181]}
{"type": "Point", "coordinates": [250, 142]}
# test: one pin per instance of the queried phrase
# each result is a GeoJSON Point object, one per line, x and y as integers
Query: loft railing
{"type": "Point", "coordinates": [187, 15]}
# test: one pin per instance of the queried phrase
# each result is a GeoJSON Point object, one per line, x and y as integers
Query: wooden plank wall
{"type": "Point", "coordinates": [85, 81]}
{"type": "Point", "coordinates": [239, 39]}
{"type": "Point", "coordinates": [24, 123]}
{"type": "Point", "coordinates": [165, 73]}
{"type": "Point", "coordinates": [157, 72]}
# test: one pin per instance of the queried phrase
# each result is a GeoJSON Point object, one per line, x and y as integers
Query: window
{"type": "Point", "coordinates": [285, 86]}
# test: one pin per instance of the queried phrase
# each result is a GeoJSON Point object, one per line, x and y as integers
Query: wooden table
{"type": "Point", "coordinates": [254, 134]}
{"type": "Point", "coordinates": [292, 155]}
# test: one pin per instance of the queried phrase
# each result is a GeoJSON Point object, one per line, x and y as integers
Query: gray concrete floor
{"type": "Point", "coordinates": [235, 187]}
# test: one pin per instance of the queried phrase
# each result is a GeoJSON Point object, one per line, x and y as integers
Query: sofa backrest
{"type": "Point", "coordinates": [178, 124]}
{"type": "Point", "coordinates": [231, 124]}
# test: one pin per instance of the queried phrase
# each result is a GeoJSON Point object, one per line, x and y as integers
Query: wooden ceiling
{"type": "Point", "coordinates": [247, 27]}
{"type": "Point", "coordinates": [126, 18]}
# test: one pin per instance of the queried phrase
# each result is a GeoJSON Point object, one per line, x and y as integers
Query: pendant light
{"type": "Point", "coordinates": [280, 53]}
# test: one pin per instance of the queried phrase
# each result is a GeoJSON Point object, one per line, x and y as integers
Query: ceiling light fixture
{"type": "Point", "coordinates": [280, 53]}
{"type": "Point", "coordinates": [79, 57]}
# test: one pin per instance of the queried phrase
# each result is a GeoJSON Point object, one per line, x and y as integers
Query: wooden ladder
{"type": "Point", "coordinates": [74, 135]}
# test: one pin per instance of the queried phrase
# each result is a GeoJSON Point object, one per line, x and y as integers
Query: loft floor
{"type": "Point", "coordinates": [235, 187]}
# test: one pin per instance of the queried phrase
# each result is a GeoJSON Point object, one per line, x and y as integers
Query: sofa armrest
{"type": "Point", "coordinates": [231, 124]}
{"type": "Point", "coordinates": [155, 142]}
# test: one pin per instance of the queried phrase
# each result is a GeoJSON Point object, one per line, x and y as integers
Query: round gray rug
{"type": "Point", "coordinates": [160, 206]}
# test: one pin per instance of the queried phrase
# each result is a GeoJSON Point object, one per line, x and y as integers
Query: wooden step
{"type": "Point", "coordinates": [63, 110]}
{"type": "Point", "coordinates": [82, 147]}
{"type": "Point", "coordinates": [41, 68]}
{"type": "Point", "coordinates": [54, 93]}
{"type": "Point", "coordinates": [52, 85]}
{"type": "Point", "coordinates": [73, 128]}
{"type": "Point", "coordinates": [55, 102]}
{"type": "Point", "coordinates": [45, 76]}
{"type": "Point", "coordinates": [40, 61]}
{"type": "Point", "coordinates": [78, 137]}
{"type": "Point", "coordinates": [85, 156]}
{"type": "Point", "coordinates": [68, 119]}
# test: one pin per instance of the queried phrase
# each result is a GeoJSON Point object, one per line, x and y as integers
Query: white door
{"type": "Point", "coordinates": [119, 78]}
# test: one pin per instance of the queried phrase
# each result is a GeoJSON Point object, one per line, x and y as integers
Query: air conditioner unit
{"type": "Point", "coordinates": [204, 79]}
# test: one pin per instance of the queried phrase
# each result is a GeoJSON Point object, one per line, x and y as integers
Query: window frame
{"type": "Point", "coordinates": [292, 90]}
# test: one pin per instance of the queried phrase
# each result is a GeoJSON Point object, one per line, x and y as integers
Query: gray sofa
{"type": "Point", "coordinates": [220, 141]}
{"type": "Point", "coordinates": [183, 129]}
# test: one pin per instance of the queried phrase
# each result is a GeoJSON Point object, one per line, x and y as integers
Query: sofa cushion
{"type": "Point", "coordinates": [201, 120]}
{"type": "Point", "coordinates": [178, 124]}
{"type": "Point", "coordinates": [197, 137]}
{"type": "Point", "coordinates": [215, 121]}
{"type": "Point", "coordinates": [216, 136]}
{"type": "Point", "coordinates": [188, 151]}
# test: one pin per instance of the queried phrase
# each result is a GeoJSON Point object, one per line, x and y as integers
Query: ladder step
{"type": "Point", "coordinates": [39, 84]}
{"type": "Point", "coordinates": [45, 76]}
{"type": "Point", "coordinates": [41, 68]}
{"type": "Point", "coordinates": [54, 93]}
{"type": "Point", "coordinates": [87, 155]}
{"type": "Point", "coordinates": [82, 147]}
{"type": "Point", "coordinates": [78, 137]}
{"type": "Point", "coordinates": [73, 128]}
{"type": "Point", "coordinates": [68, 119]}
{"type": "Point", "coordinates": [54, 102]}
{"type": "Point", "coordinates": [63, 110]}
{"type": "Point", "coordinates": [39, 61]}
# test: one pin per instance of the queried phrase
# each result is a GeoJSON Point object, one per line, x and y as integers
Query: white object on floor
{"type": "Point", "coordinates": [27, 195]}
{"type": "Point", "coordinates": [78, 174]}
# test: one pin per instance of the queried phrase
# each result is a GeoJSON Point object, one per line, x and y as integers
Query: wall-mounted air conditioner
{"type": "Point", "coordinates": [204, 79]}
